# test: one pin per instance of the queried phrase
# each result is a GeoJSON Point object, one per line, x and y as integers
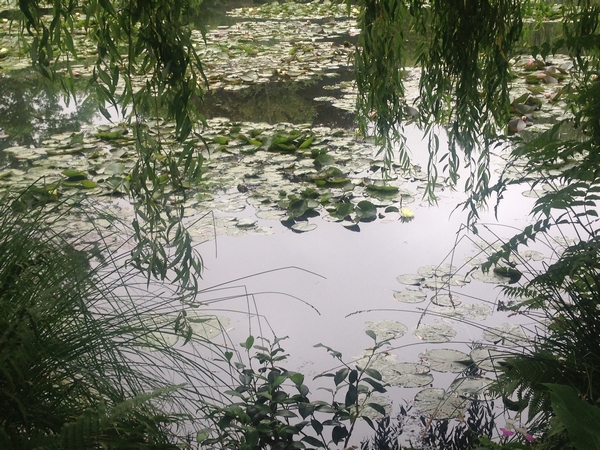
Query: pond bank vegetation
{"type": "Point", "coordinates": [105, 349]}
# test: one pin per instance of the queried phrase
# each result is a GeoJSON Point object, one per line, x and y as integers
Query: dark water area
{"type": "Point", "coordinates": [281, 101]}
{"type": "Point", "coordinates": [31, 108]}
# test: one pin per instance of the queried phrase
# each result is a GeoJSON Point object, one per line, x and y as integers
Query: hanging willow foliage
{"type": "Point", "coordinates": [379, 66]}
{"type": "Point", "coordinates": [146, 65]}
{"type": "Point", "coordinates": [463, 54]}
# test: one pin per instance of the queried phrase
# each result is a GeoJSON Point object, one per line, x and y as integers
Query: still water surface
{"type": "Point", "coordinates": [350, 271]}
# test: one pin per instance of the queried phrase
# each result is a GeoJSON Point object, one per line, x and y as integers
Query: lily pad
{"type": "Point", "coordinates": [303, 227]}
{"type": "Point", "coordinates": [386, 329]}
{"type": "Point", "coordinates": [407, 375]}
{"type": "Point", "coordinates": [470, 387]}
{"type": "Point", "coordinates": [446, 360]}
{"type": "Point", "coordinates": [411, 279]}
{"type": "Point", "coordinates": [207, 326]}
{"type": "Point", "coordinates": [490, 277]}
{"type": "Point", "coordinates": [451, 300]}
{"type": "Point", "coordinates": [476, 311]}
{"type": "Point", "coordinates": [436, 332]}
{"type": "Point", "coordinates": [439, 404]}
{"type": "Point", "coordinates": [488, 358]}
{"type": "Point", "coordinates": [369, 411]}
{"type": "Point", "coordinates": [506, 334]}
{"type": "Point", "coordinates": [410, 296]}
{"type": "Point", "coordinates": [114, 169]}
{"type": "Point", "coordinates": [365, 211]}
{"type": "Point", "coordinates": [246, 223]}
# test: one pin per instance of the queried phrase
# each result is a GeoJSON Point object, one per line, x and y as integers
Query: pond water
{"type": "Point", "coordinates": [330, 283]}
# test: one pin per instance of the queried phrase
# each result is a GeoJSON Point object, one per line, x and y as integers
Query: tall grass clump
{"type": "Point", "coordinates": [87, 354]}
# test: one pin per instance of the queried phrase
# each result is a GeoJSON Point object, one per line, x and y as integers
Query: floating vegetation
{"type": "Point", "coordinates": [436, 332]}
{"type": "Point", "coordinates": [410, 296]}
{"type": "Point", "coordinates": [473, 311]}
{"type": "Point", "coordinates": [488, 358]}
{"type": "Point", "coordinates": [470, 387]}
{"type": "Point", "coordinates": [446, 360]}
{"type": "Point", "coordinates": [507, 334]}
{"type": "Point", "coordinates": [280, 170]}
{"type": "Point", "coordinates": [439, 404]}
{"type": "Point", "coordinates": [491, 276]}
{"type": "Point", "coordinates": [408, 375]}
{"type": "Point", "coordinates": [169, 328]}
{"type": "Point", "coordinates": [435, 277]}
{"type": "Point", "coordinates": [371, 413]}
{"type": "Point", "coordinates": [446, 300]}
{"type": "Point", "coordinates": [386, 329]}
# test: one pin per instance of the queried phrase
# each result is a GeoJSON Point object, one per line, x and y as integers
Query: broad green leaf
{"type": "Point", "coordinates": [341, 375]}
{"type": "Point", "coordinates": [249, 343]}
{"type": "Point", "coordinates": [581, 419]}
{"type": "Point", "coordinates": [377, 407]}
{"type": "Point", "coordinates": [312, 441]}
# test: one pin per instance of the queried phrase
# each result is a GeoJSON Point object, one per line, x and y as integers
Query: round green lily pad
{"type": "Point", "coordinates": [302, 227]}
{"type": "Point", "coordinates": [506, 334]}
{"type": "Point", "coordinates": [436, 332]}
{"type": "Point", "coordinates": [439, 404]}
{"type": "Point", "coordinates": [450, 300]}
{"type": "Point", "coordinates": [488, 358]}
{"type": "Point", "coordinates": [410, 296]}
{"type": "Point", "coordinates": [386, 329]}
{"type": "Point", "coordinates": [470, 387]}
{"type": "Point", "coordinates": [446, 360]}
{"type": "Point", "coordinates": [408, 375]}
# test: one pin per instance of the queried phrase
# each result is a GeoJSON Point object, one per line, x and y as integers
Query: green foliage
{"type": "Point", "coordinates": [464, 56]}
{"type": "Point", "coordinates": [379, 61]}
{"type": "Point", "coordinates": [581, 420]}
{"type": "Point", "coordinates": [564, 296]}
{"type": "Point", "coordinates": [73, 373]}
{"type": "Point", "coordinates": [271, 408]}
{"type": "Point", "coordinates": [146, 65]}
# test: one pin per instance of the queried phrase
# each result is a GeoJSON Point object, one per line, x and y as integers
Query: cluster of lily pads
{"type": "Point", "coordinates": [471, 380]}
{"type": "Point", "coordinates": [537, 93]}
{"type": "Point", "coordinates": [285, 172]}
{"type": "Point", "coordinates": [438, 285]}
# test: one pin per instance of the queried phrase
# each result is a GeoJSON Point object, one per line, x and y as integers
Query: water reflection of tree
{"type": "Point", "coordinates": [279, 102]}
{"type": "Point", "coordinates": [31, 109]}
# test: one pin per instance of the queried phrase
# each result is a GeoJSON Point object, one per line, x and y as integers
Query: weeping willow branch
{"type": "Point", "coordinates": [463, 55]}
{"type": "Point", "coordinates": [146, 65]}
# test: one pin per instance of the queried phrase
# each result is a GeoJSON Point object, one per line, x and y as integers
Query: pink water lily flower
{"type": "Point", "coordinates": [525, 433]}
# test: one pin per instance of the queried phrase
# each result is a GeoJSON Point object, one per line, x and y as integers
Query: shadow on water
{"type": "Point", "coordinates": [30, 109]}
{"type": "Point", "coordinates": [281, 101]}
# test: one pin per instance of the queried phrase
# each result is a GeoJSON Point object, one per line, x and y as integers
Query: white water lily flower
{"type": "Point", "coordinates": [407, 213]}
